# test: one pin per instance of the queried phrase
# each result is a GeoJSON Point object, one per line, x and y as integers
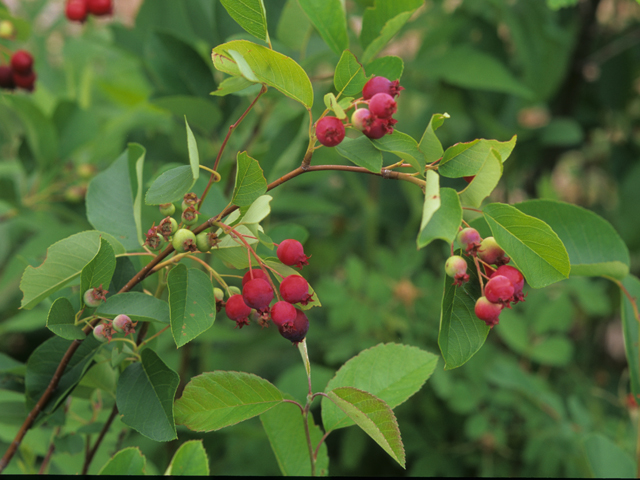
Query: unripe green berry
{"type": "Point", "coordinates": [7, 30]}
{"type": "Point", "coordinates": [189, 216]}
{"type": "Point", "coordinates": [190, 200]}
{"type": "Point", "coordinates": [168, 226]}
{"type": "Point", "coordinates": [206, 240]}
{"type": "Point", "coordinates": [167, 209]}
{"type": "Point", "coordinates": [235, 290]}
{"type": "Point", "coordinates": [218, 294]}
{"type": "Point", "coordinates": [184, 241]}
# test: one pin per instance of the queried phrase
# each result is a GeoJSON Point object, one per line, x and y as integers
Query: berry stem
{"type": "Point", "coordinates": [475, 260]}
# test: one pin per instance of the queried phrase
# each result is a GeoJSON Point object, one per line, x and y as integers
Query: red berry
{"type": "Point", "coordinates": [283, 312]}
{"type": "Point", "coordinates": [491, 252]}
{"type": "Point", "coordinates": [469, 179]}
{"type": "Point", "coordinates": [487, 312]}
{"type": "Point", "coordinates": [290, 252]}
{"type": "Point", "coordinates": [76, 10]}
{"type": "Point", "coordinates": [295, 289]}
{"type": "Point", "coordinates": [362, 119]}
{"type": "Point", "coordinates": [330, 131]}
{"type": "Point", "coordinates": [516, 278]}
{"type": "Point", "coordinates": [381, 85]}
{"type": "Point", "coordinates": [22, 62]}
{"type": "Point", "coordinates": [6, 77]}
{"type": "Point", "coordinates": [257, 293]}
{"type": "Point", "coordinates": [237, 310]}
{"type": "Point", "coordinates": [380, 127]}
{"type": "Point", "coordinates": [469, 239]}
{"type": "Point", "coordinates": [24, 81]}
{"type": "Point", "coordinates": [122, 323]}
{"type": "Point", "coordinates": [257, 273]}
{"type": "Point", "coordinates": [382, 105]}
{"type": "Point", "coordinates": [100, 7]}
{"type": "Point", "coordinates": [296, 331]}
{"type": "Point", "coordinates": [499, 289]}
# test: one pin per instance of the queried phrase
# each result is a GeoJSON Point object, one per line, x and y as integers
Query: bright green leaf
{"type": "Point", "coordinates": [444, 221]}
{"type": "Point", "coordinates": [349, 76]}
{"type": "Point", "coordinates": [250, 15]}
{"type": "Point", "coordinates": [329, 18]}
{"type": "Point", "coordinates": [99, 270]}
{"type": "Point", "coordinates": [429, 143]}
{"type": "Point", "coordinates": [257, 211]}
{"type": "Point", "coordinates": [465, 159]}
{"type": "Point", "coordinates": [332, 104]}
{"type": "Point", "coordinates": [61, 320]}
{"type": "Point", "coordinates": [236, 84]}
{"type": "Point", "coordinates": [431, 198]}
{"type": "Point", "coordinates": [484, 182]}
{"type": "Point", "coordinates": [128, 461]}
{"type": "Point", "coordinates": [190, 459]}
{"type": "Point", "coordinates": [250, 181]}
{"type": "Point", "coordinates": [403, 146]}
{"type": "Point", "coordinates": [194, 157]}
{"type": "Point", "coordinates": [140, 307]}
{"type": "Point", "coordinates": [170, 186]}
{"type": "Point", "coordinates": [361, 152]}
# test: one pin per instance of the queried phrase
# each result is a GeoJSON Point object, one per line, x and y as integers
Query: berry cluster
{"type": "Point", "coordinates": [78, 10]}
{"type": "Point", "coordinates": [505, 283]}
{"type": "Point", "coordinates": [120, 324]}
{"type": "Point", "coordinates": [257, 295]}
{"type": "Point", "coordinates": [19, 73]}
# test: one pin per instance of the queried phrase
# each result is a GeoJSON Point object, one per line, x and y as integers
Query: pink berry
{"type": "Point", "coordinates": [22, 62]}
{"type": "Point", "coordinates": [330, 131]}
{"type": "Point", "coordinates": [283, 312]}
{"type": "Point", "coordinates": [257, 293]}
{"type": "Point", "coordinates": [362, 119]}
{"type": "Point", "coordinates": [499, 290]}
{"type": "Point", "coordinates": [381, 85]}
{"type": "Point", "coordinates": [491, 252]}
{"type": "Point", "coordinates": [257, 273]}
{"type": "Point", "coordinates": [100, 7]}
{"type": "Point", "coordinates": [380, 127]}
{"type": "Point", "coordinates": [94, 296]}
{"type": "Point", "coordinates": [296, 331]}
{"type": "Point", "coordinates": [290, 252]}
{"type": "Point", "coordinates": [237, 310]}
{"type": "Point", "coordinates": [103, 332]}
{"type": "Point", "coordinates": [295, 289]}
{"type": "Point", "coordinates": [516, 278]}
{"type": "Point", "coordinates": [456, 267]}
{"type": "Point", "coordinates": [6, 77]}
{"type": "Point", "coordinates": [123, 324]}
{"type": "Point", "coordinates": [76, 10]}
{"type": "Point", "coordinates": [469, 239]}
{"type": "Point", "coordinates": [382, 105]}
{"type": "Point", "coordinates": [487, 312]}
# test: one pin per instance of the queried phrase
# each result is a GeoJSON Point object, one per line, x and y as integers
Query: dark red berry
{"type": "Point", "coordinates": [469, 179]}
{"type": "Point", "coordinates": [257, 273]}
{"type": "Point", "coordinates": [100, 7]}
{"type": "Point", "coordinates": [25, 81]}
{"type": "Point", "coordinates": [257, 293]}
{"type": "Point", "coordinates": [237, 310]}
{"type": "Point", "coordinates": [362, 119]}
{"type": "Point", "coordinates": [382, 105]}
{"type": "Point", "coordinates": [499, 290]}
{"type": "Point", "coordinates": [516, 278]}
{"type": "Point", "coordinates": [296, 331]}
{"type": "Point", "coordinates": [380, 127]}
{"type": "Point", "coordinates": [330, 131]}
{"type": "Point", "coordinates": [295, 289]}
{"type": "Point", "coordinates": [76, 10]}
{"type": "Point", "coordinates": [491, 252]}
{"type": "Point", "coordinates": [487, 312]}
{"type": "Point", "coordinates": [469, 239]}
{"type": "Point", "coordinates": [381, 85]}
{"type": "Point", "coordinates": [6, 77]}
{"type": "Point", "coordinates": [290, 252]}
{"type": "Point", "coordinates": [22, 62]}
{"type": "Point", "coordinates": [283, 312]}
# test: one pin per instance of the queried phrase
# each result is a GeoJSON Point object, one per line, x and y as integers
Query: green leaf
{"type": "Point", "coordinates": [390, 67]}
{"type": "Point", "coordinates": [270, 67]}
{"type": "Point", "coordinates": [332, 104]}
{"type": "Point", "coordinates": [192, 304]}
{"type": "Point", "coordinates": [194, 157]}
{"type": "Point", "coordinates": [201, 112]}
{"type": "Point", "coordinates": [190, 459]}
{"type": "Point", "coordinates": [431, 198]}
{"type": "Point", "coordinates": [465, 159]}
{"type": "Point", "coordinates": [403, 146]}
{"type": "Point", "coordinates": [243, 66]}
{"type": "Point", "coordinates": [534, 248]}
{"type": "Point", "coordinates": [140, 307]}
{"type": "Point", "coordinates": [43, 363]}
{"type": "Point", "coordinates": [391, 372]}
{"type": "Point", "coordinates": [284, 427]}
{"type": "Point", "coordinates": [630, 331]}
{"type": "Point", "coordinates": [329, 18]}
{"type": "Point", "coordinates": [461, 333]}
{"type": "Point", "coordinates": [429, 143]}
{"type": "Point", "coordinates": [606, 459]}
{"type": "Point", "coordinates": [128, 461]}
{"type": "Point", "coordinates": [64, 262]}
{"type": "Point", "coordinates": [114, 198]}
{"type": "Point", "coordinates": [361, 152]}
{"type": "Point", "coordinates": [99, 270]}
{"type": "Point", "coordinates": [170, 186]}
{"type": "Point", "coordinates": [215, 400]}
{"type": "Point", "coordinates": [61, 320]}
{"type": "Point", "coordinates": [444, 221]}
{"type": "Point", "coordinates": [250, 15]}
{"type": "Point", "coordinates": [145, 395]}
{"type": "Point", "coordinates": [373, 416]}
{"type": "Point", "coordinates": [250, 181]}
{"type": "Point", "coordinates": [484, 182]}
{"type": "Point", "coordinates": [593, 245]}
{"type": "Point", "coordinates": [257, 211]}
{"type": "Point", "coordinates": [349, 76]}
{"type": "Point", "coordinates": [293, 25]}
{"type": "Point", "coordinates": [235, 84]}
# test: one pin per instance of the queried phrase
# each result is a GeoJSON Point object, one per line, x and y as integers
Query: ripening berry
{"type": "Point", "coordinates": [100, 7]}
{"type": "Point", "coordinates": [167, 209]}
{"type": "Point", "coordinates": [491, 252]}
{"type": "Point", "coordinates": [123, 324]}
{"type": "Point", "coordinates": [380, 127]}
{"type": "Point", "coordinates": [257, 293]}
{"type": "Point", "coordinates": [103, 332]}
{"type": "Point", "coordinates": [290, 252]}
{"type": "Point", "coordinates": [296, 331]}
{"type": "Point", "coordinates": [254, 273]}
{"type": "Point", "coordinates": [283, 312]}
{"type": "Point", "coordinates": [93, 297]}
{"type": "Point", "coordinates": [499, 290]}
{"type": "Point", "coordinates": [382, 105]}
{"type": "Point", "coordinates": [330, 131]}
{"type": "Point", "coordinates": [456, 267]}
{"type": "Point", "coordinates": [22, 62]}
{"type": "Point", "coordinates": [469, 239]}
{"type": "Point", "coordinates": [237, 310]}
{"type": "Point", "coordinates": [295, 289]}
{"type": "Point", "coordinates": [362, 119]}
{"type": "Point", "coordinates": [516, 278]}
{"type": "Point", "coordinates": [6, 77]}
{"type": "Point", "coordinates": [381, 85]}
{"type": "Point", "coordinates": [487, 312]}
{"type": "Point", "coordinates": [76, 10]}
{"type": "Point", "coordinates": [184, 241]}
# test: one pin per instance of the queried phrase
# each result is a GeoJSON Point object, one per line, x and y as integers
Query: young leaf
{"type": "Point", "coordinates": [403, 146]}
{"type": "Point", "coordinates": [593, 245]}
{"type": "Point", "coordinates": [390, 67]}
{"type": "Point", "coordinates": [140, 307]}
{"type": "Point", "coordinates": [170, 186]}
{"type": "Point", "coordinates": [534, 248]}
{"type": "Point", "coordinates": [215, 400]}
{"type": "Point", "coordinates": [484, 182]}
{"type": "Point", "coordinates": [194, 157]}
{"type": "Point", "coordinates": [465, 159]}
{"type": "Point", "coordinates": [429, 143]}
{"type": "Point", "coordinates": [332, 104]}
{"type": "Point", "coordinates": [144, 397]}
{"type": "Point", "coordinates": [630, 332]}
{"type": "Point", "coordinates": [234, 85]}
{"type": "Point", "coordinates": [461, 333]}
{"type": "Point", "coordinates": [444, 222]}
{"type": "Point", "coordinates": [250, 15]}
{"type": "Point", "coordinates": [61, 320]}
{"type": "Point", "coordinates": [270, 67]}
{"type": "Point", "coordinates": [391, 372]}
{"type": "Point", "coordinates": [284, 426]}
{"type": "Point", "coordinates": [329, 18]}
{"type": "Point", "coordinates": [257, 211]}
{"type": "Point", "coordinates": [373, 416]}
{"type": "Point", "coordinates": [99, 270]}
{"type": "Point", "coordinates": [250, 181]}
{"type": "Point", "coordinates": [349, 76]}
{"type": "Point", "coordinates": [361, 152]}
{"type": "Point", "coordinates": [114, 198]}
{"type": "Point", "coordinates": [192, 304]}
{"type": "Point", "coordinates": [190, 459]}
{"type": "Point", "coordinates": [128, 461]}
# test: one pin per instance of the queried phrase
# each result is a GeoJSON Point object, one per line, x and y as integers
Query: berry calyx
{"type": "Point", "coordinates": [184, 241]}
{"type": "Point", "coordinates": [206, 240]}
{"type": "Point", "coordinates": [103, 332]}
{"type": "Point", "coordinates": [167, 209]}
{"type": "Point", "coordinates": [295, 289]}
{"type": "Point", "coordinates": [362, 119]}
{"type": "Point", "coordinates": [487, 312]}
{"type": "Point", "coordinates": [100, 7]}
{"type": "Point", "coordinates": [153, 239]}
{"type": "Point", "coordinates": [257, 293]}
{"type": "Point", "coordinates": [290, 252]}
{"type": "Point", "coordinates": [93, 297]}
{"type": "Point", "coordinates": [257, 273]}
{"type": "Point", "coordinates": [499, 289]}
{"type": "Point", "coordinates": [380, 127]}
{"type": "Point", "coordinates": [517, 279]}
{"type": "Point", "coordinates": [22, 62]}
{"type": "Point", "coordinates": [168, 226]}
{"type": "Point", "coordinates": [382, 105]}
{"type": "Point", "coordinates": [189, 200]}
{"type": "Point", "coordinates": [76, 10]}
{"type": "Point", "coordinates": [381, 85]}
{"type": "Point", "coordinates": [237, 310]}
{"type": "Point", "coordinates": [283, 312]}
{"type": "Point", "coordinates": [190, 215]}
{"type": "Point", "coordinates": [456, 267]}
{"type": "Point", "coordinates": [470, 240]}
{"type": "Point", "coordinates": [6, 77]}
{"type": "Point", "coordinates": [297, 330]}
{"type": "Point", "coordinates": [123, 324]}
{"type": "Point", "coordinates": [491, 252]}
{"type": "Point", "coordinates": [330, 131]}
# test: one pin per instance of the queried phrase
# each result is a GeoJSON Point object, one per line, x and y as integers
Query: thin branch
{"type": "Point", "coordinates": [103, 432]}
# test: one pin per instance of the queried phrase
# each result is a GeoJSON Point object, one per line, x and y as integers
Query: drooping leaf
{"type": "Point", "coordinates": [361, 152]}
{"type": "Point", "coordinates": [534, 248]}
{"type": "Point", "coordinates": [250, 15]}
{"type": "Point", "coordinates": [61, 320]}
{"type": "Point", "coordinates": [349, 76]}
{"type": "Point", "coordinates": [194, 157]}
{"type": "Point", "coordinates": [485, 181]}
{"type": "Point", "coordinates": [429, 143]}
{"type": "Point", "coordinates": [140, 307]}
{"type": "Point", "coordinates": [403, 146]}
{"type": "Point", "coordinates": [215, 400]}
{"type": "Point", "coordinates": [170, 186]}
{"type": "Point", "coordinates": [329, 18]}
{"type": "Point", "coordinates": [128, 461]}
{"type": "Point", "coordinates": [465, 159]}
{"type": "Point", "coordinates": [99, 270]}
{"type": "Point", "coordinates": [144, 397]}
{"type": "Point", "coordinates": [190, 459]}
{"type": "Point", "coordinates": [373, 416]}
{"type": "Point", "coordinates": [250, 181]}
{"type": "Point", "coordinates": [444, 221]}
